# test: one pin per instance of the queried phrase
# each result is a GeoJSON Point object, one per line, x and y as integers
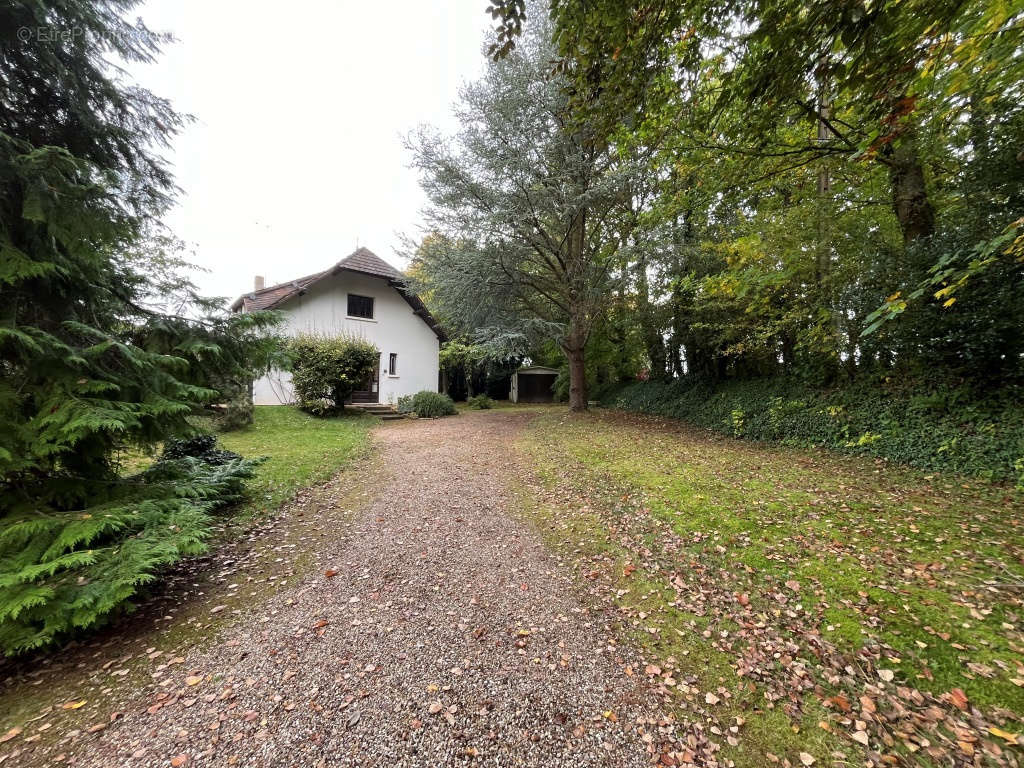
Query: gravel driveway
{"type": "Point", "coordinates": [435, 630]}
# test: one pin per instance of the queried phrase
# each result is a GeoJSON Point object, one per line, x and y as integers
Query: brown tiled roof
{"type": "Point", "coordinates": [362, 260]}
{"type": "Point", "coordinates": [366, 261]}
{"type": "Point", "coordinates": [267, 298]}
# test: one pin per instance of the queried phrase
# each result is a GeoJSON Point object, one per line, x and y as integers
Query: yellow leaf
{"type": "Point", "coordinates": [949, 302]}
{"type": "Point", "coordinates": [1009, 738]}
{"type": "Point", "coordinates": [74, 704]}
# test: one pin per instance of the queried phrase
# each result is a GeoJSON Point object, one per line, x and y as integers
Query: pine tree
{"type": "Point", "coordinates": [89, 363]}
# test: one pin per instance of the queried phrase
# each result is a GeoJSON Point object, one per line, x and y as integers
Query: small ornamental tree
{"type": "Point", "coordinates": [325, 370]}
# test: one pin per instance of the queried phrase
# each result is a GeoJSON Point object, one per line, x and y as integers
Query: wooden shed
{"type": "Point", "coordinates": [533, 384]}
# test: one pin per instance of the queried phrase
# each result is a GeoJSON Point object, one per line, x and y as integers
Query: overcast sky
{"type": "Point", "coordinates": [296, 154]}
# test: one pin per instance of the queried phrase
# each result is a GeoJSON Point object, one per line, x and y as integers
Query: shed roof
{"type": "Point", "coordinates": [362, 261]}
{"type": "Point", "coordinates": [537, 369]}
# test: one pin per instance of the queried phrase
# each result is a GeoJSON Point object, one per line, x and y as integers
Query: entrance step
{"type": "Point", "coordinates": [376, 408]}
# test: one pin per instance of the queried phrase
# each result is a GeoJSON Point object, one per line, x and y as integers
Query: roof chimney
{"type": "Point", "coordinates": [259, 283]}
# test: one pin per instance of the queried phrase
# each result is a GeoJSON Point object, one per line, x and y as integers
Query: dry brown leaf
{"type": "Point", "coordinates": [959, 699]}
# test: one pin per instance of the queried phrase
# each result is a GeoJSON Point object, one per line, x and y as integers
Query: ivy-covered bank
{"type": "Point", "coordinates": [940, 427]}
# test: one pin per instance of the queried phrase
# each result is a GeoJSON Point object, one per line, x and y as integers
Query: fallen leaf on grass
{"type": "Point", "coordinates": [1009, 738]}
{"type": "Point", "coordinates": [193, 680]}
{"type": "Point", "coordinates": [10, 734]}
{"type": "Point", "coordinates": [959, 699]}
{"type": "Point", "coordinates": [74, 704]}
{"type": "Point", "coordinates": [842, 702]}
{"type": "Point", "coordinates": [806, 758]}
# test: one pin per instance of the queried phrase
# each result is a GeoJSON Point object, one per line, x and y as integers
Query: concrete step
{"type": "Point", "coordinates": [392, 416]}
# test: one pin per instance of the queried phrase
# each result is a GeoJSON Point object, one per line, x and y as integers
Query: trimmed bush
{"type": "Point", "coordinates": [432, 405]}
{"type": "Point", "coordinates": [326, 369]}
{"type": "Point", "coordinates": [949, 428]}
{"type": "Point", "coordinates": [480, 403]}
{"type": "Point", "coordinates": [404, 404]}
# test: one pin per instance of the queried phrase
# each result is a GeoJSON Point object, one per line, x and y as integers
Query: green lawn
{"type": "Point", "coordinates": [790, 584]}
{"type": "Point", "coordinates": [301, 450]}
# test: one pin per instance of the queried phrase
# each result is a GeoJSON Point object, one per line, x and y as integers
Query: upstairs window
{"type": "Point", "coordinates": [360, 306]}
{"type": "Point", "coordinates": [393, 364]}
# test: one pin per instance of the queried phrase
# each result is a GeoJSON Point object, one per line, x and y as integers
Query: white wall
{"type": "Point", "coordinates": [394, 328]}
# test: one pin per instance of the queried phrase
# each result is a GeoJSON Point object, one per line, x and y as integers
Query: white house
{"type": "Point", "coordinates": [362, 295]}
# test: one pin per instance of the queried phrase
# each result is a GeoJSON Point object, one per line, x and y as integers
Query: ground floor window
{"type": "Point", "coordinates": [393, 364]}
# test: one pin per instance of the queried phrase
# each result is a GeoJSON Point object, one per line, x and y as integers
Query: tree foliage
{"type": "Point", "coordinates": [93, 360]}
{"type": "Point", "coordinates": [838, 187]}
{"type": "Point", "coordinates": [526, 237]}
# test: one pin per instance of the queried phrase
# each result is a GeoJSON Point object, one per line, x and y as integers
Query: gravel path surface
{"type": "Point", "coordinates": [435, 630]}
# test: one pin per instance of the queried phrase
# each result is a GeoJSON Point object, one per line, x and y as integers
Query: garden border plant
{"type": "Point", "coordinates": [427, 405]}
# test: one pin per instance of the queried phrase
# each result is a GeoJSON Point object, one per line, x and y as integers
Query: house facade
{"type": "Point", "coordinates": [362, 296]}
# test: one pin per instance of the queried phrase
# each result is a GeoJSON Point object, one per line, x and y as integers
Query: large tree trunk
{"type": "Point", "coordinates": [909, 194]}
{"type": "Point", "coordinates": [579, 316]}
{"type": "Point", "coordinates": [574, 347]}
{"type": "Point", "coordinates": [574, 351]}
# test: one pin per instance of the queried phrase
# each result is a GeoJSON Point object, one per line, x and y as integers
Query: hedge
{"type": "Point", "coordinates": [950, 428]}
